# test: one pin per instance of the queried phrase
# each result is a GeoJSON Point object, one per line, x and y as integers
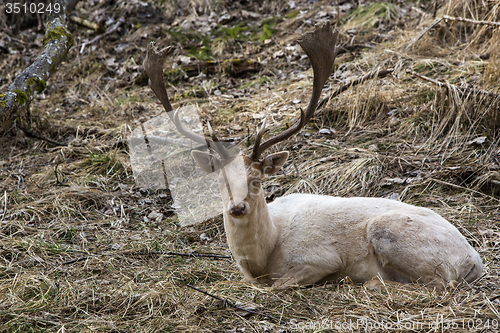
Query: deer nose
{"type": "Point", "coordinates": [238, 210]}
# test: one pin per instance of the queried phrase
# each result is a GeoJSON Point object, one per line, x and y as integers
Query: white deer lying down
{"type": "Point", "coordinates": [306, 239]}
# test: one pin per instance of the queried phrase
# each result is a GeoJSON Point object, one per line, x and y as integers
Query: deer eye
{"type": "Point", "coordinates": [255, 182]}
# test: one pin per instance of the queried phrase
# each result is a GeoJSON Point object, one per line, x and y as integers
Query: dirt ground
{"type": "Point", "coordinates": [83, 248]}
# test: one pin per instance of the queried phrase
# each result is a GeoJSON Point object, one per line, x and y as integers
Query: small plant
{"type": "Point", "coordinates": [239, 31]}
{"type": "Point", "coordinates": [262, 80]}
{"type": "Point", "coordinates": [371, 15]}
{"type": "Point", "coordinates": [107, 164]}
{"type": "Point", "coordinates": [67, 234]}
{"type": "Point", "coordinates": [267, 33]}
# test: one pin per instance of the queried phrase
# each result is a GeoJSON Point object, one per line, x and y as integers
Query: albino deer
{"type": "Point", "coordinates": [304, 239]}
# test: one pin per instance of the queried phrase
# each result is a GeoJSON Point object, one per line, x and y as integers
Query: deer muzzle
{"type": "Point", "coordinates": [238, 210]}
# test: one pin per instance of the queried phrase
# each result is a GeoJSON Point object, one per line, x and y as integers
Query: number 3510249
{"type": "Point", "coordinates": [33, 8]}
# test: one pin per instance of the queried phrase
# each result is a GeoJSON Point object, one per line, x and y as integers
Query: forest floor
{"type": "Point", "coordinates": [84, 248]}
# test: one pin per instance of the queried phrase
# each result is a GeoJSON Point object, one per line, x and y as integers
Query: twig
{"type": "Point", "coordinates": [87, 24]}
{"type": "Point", "coordinates": [494, 298]}
{"type": "Point", "coordinates": [226, 302]}
{"type": "Point", "coordinates": [375, 74]}
{"type": "Point", "coordinates": [495, 182]}
{"type": "Point", "coordinates": [196, 255]}
{"type": "Point", "coordinates": [108, 32]}
{"type": "Point", "coordinates": [448, 85]}
{"type": "Point", "coordinates": [23, 167]}
{"type": "Point", "coordinates": [19, 181]}
{"type": "Point", "coordinates": [296, 168]}
{"type": "Point", "coordinates": [4, 212]}
{"type": "Point", "coordinates": [29, 133]}
{"type": "Point", "coordinates": [70, 5]}
{"type": "Point", "coordinates": [463, 19]}
{"type": "Point", "coordinates": [451, 18]}
{"type": "Point", "coordinates": [462, 187]}
{"type": "Point", "coordinates": [168, 253]}
{"type": "Point", "coordinates": [75, 260]}
{"type": "Point", "coordinates": [423, 33]}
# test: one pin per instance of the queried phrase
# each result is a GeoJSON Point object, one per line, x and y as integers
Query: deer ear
{"type": "Point", "coordinates": [206, 161]}
{"type": "Point", "coordinates": [272, 163]}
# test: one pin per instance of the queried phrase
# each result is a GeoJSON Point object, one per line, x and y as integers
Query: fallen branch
{"type": "Point", "coordinates": [231, 304]}
{"type": "Point", "coordinates": [75, 260]}
{"type": "Point", "coordinates": [97, 27]}
{"type": "Point", "coordinates": [194, 255]}
{"type": "Point", "coordinates": [232, 66]}
{"type": "Point", "coordinates": [451, 18]}
{"type": "Point", "coordinates": [24, 167]}
{"type": "Point", "coordinates": [494, 182]}
{"type": "Point", "coordinates": [447, 85]}
{"type": "Point", "coordinates": [108, 32]}
{"type": "Point", "coordinates": [34, 135]}
{"type": "Point", "coordinates": [461, 187]}
{"type": "Point", "coordinates": [462, 19]}
{"type": "Point", "coordinates": [57, 42]}
{"type": "Point", "coordinates": [166, 253]}
{"type": "Point", "coordinates": [423, 33]}
{"type": "Point", "coordinates": [375, 74]}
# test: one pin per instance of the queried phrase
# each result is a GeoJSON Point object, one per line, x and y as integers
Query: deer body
{"type": "Point", "coordinates": [305, 239]}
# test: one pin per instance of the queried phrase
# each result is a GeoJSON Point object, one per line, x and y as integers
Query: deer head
{"type": "Point", "coordinates": [240, 176]}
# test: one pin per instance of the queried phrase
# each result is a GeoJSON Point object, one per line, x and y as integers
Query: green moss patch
{"type": "Point", "coordinates": [39, 83]}
{"type": "Point", "coordinates": [21, 96]}
{"type": "Point", "coordinates": [56, 34]}
{"type": "Point", "coordinates": [3, 102]}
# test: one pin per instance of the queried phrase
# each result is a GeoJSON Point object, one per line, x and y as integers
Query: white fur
{"type": "Point", "coordinates": [304, 239]}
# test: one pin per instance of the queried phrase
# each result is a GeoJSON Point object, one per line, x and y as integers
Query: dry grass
{"type": "Point", "coordinates": [83, 249]}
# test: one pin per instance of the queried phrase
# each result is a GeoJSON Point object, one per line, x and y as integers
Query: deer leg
{"type": "Point", "coordinates": [306, 274]}
{"type": "Point", "coordinates": [298, 275]}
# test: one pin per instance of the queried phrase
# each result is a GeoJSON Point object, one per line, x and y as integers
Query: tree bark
{"type": "Point", "coordinates": [57, 42]}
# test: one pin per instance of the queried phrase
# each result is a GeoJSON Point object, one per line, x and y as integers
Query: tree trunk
{"type": "Point", "coordinates": [56, 44]}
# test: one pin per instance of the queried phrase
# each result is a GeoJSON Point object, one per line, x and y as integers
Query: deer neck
{"type": "Point", "coordinates": [252, 238]}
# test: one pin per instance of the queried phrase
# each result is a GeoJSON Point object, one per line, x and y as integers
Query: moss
{"type": "Point", "coordinates": [292, 14]}
{"type": "Point", "coordinates": [3, 102]}
{"type": "Point", "coordinates": [21, 96]}
{"type": "Point", "coordinates": [40, 84]}
{"type": "Point", "coordinates": [56, 34]}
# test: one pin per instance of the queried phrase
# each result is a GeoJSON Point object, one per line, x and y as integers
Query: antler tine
{"type": "Point", "coordinates": [258, 137]}
{"type": "Point", "coordinates": [214, 143]}
{"type": "Point", "coordinates": [321, 49]}
{"type": "Point", "coordinates": [153, 65]}
{"type": "Point", "coordinates": [220, 148]}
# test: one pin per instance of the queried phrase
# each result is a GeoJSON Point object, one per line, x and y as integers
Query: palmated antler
{"type": "Point", "coordinates": [320, 46]}
{"type": "Point", "coordinates": [153, 65]}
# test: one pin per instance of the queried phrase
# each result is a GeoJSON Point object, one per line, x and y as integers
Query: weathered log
{"type": "Point", "coordinates": [56, 44]}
